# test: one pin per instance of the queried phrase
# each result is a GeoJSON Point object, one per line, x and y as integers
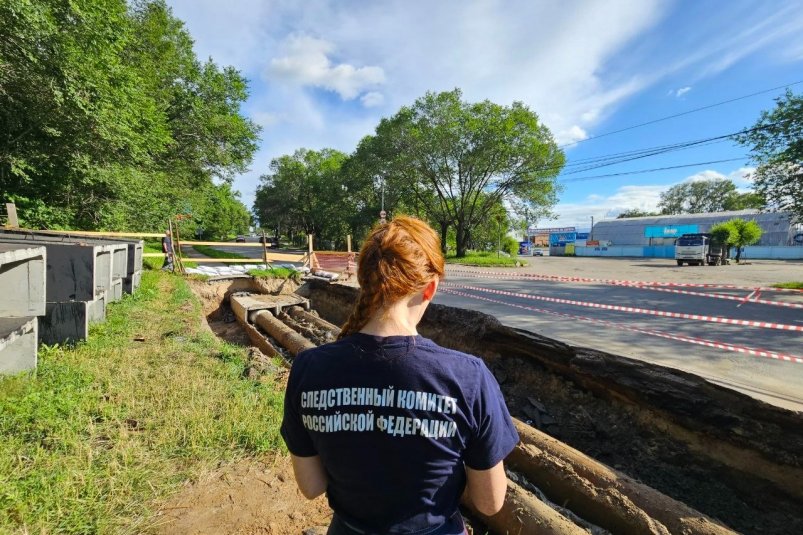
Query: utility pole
{"type": "Point", "coordinates": [592, 227]}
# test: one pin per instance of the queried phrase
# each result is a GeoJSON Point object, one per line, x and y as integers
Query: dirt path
{"type": "Point", "coordinates": [245, 498]}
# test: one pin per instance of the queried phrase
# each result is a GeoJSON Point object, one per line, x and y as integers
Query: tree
{"type": "Point", "coordinates": [457, 159]}
{"type": "Point", "coordinates": [737, 233]}
{"type": "Point", "coordinates": [776, 146]}
{"type": "Point", "coordinates": [636, 212]}
{"type": "Point", "coordinates": [305, 191]}
{"type": "Point", "coordinates": [108, 119]}
{"type": "Point", "coordinates": [699, 196]}
{"type": "Point", "coordinates": [745, 201]}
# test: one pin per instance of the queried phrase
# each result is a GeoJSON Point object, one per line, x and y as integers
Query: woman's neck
{"type": "Point", "coordinates": [397, 320]}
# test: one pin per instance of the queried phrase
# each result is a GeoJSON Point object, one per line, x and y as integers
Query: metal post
{"type": "Point", "coordinates": [592, 227]}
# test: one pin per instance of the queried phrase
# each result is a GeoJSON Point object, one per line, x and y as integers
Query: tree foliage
{"type": "Point", "coordinates": [703, 196]}
{"type": "Point", "coordinates": [307, 193]}
{"type": "Point", "coordinates": [776, 145]}
{"type": "Point", "coordinates": [454, 160]}
{"type": "Point", "coordinates": [636, 212]}
{"type": "Point", "coordinates": [737, 233]}
{"type": "Point", "coordinates": [108, 119]}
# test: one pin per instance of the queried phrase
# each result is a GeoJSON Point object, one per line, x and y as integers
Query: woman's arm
{"type": "Point", "coordinates": [486, 488]}
{"type": "Point", "coordinates": [310, 475]}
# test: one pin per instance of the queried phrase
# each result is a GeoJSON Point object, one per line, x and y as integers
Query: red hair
{"type": "Point", "coordinates": [397, 259]}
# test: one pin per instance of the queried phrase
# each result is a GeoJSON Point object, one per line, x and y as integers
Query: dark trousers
{"type": "Point", "coordinates": [452, 527]}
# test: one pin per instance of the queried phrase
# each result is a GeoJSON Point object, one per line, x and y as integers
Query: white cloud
{"type": "Point", "coordinates": [306, 62]}
{"type": "Point", "coordinates": [372, 99]}
{"type": "Point", "coordinates": [572, 135]}
{"type": "Point", "coordinates": [682, 91]}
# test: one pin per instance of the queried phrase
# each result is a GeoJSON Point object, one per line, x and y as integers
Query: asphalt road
{"type": "Point", "coordinates": [669, 341]}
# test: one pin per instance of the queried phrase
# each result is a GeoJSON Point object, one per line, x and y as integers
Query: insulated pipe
{"type": "Point", "coordinates": [259, 341]}
{"type": "Point", "coordinates": [594, 490]}
{"type": "Point", "coordinates": [303, 330]}
{"type": "Point", "coordinates": [301, 314]}
{"type": "Point", "coordinates": [524, 513]}
{"type": "Point", "coordinates": [287, 338]}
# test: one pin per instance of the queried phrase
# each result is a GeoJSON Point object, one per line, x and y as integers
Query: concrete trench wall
{"type": "Point", "coordinates": [740, 438]}
{"type": "Point", "coordinates": [22, 285]}
{"type": "Point", "coordinates": [82, 274]}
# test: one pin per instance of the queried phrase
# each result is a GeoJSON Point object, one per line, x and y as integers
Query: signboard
{"type": "Point", "coordinates": [669, 231]}
{"type": "Point", "coordinates": [550, 230]}
{"type": "Point", "coordinates": [560, 239]}
{"type": "Point", "coordinates": [582, 236]}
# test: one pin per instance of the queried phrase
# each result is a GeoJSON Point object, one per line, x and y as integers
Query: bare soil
{"type": "Point", "coordinates": [249, 497]}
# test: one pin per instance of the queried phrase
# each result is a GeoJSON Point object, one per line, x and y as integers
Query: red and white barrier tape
{"type": "Point", "coordinates": [688, 339]}
{"type": "Point", "coordinates": [744, 299]}
{"type": "Point", "coordinates": [635, 310]}
{"type": "Point", "coordinates": [613, 282]}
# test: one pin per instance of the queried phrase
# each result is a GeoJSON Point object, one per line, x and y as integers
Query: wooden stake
{"type": "Point", "coordinates": [11, 210]}
{"type": "Point", "coordinates": [264, 249]}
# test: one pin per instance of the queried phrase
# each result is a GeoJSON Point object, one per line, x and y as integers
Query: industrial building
{"type": "Point", "coordinates": [779, 230]}
{"type": "Point", "coordinates": [782, 237]}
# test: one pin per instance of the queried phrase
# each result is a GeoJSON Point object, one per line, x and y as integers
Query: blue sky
{"type": "Point", "coordinates": [322, 74]}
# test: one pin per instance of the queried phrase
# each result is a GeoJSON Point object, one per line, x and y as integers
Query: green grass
{"type": "Point", "coordinates": [275, 273]}
{"type": "Point", "coordinates": [789, 285]}
{"type": "Point", "coordinates": [211, 252]}
{"type": "Point", "coordinates": [483, 258]}
{"type": "Point", "coordinates": [103, 432]}
{"type": "Point", "coordinates": [155, 246]}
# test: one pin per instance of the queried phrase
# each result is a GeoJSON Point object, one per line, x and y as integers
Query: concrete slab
{"type": "Point", "coordinates": [121, 267]}
{"type": "Point", "coordinates": [116, 292]}
{"type": "Point", "coordinates": [18, 344]}
{"type": "Point", "coordinates": [74, 271]}
{"type": "Point", "coordinates": [22, 280]}
{"type": "Point", "coordinates": [131, 283]}
{"type": "Point", "coordinates": [243, 304]}
{"type": "Point", "coordinates": [65, 323]}
{"type": "Point", "coordinates": [97, 308]}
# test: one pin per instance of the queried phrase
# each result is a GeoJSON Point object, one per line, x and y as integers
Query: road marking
{"type": "Point", "coordinates": [680, 338]}
{"type": "Point", "coordinates": [613, 282]}
{"type": "Point", "coordinates": [635, 310]}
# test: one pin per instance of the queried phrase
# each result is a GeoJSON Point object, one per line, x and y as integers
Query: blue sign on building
{"type": "Point", "coordinates": [560, 239]}
{"type": "Point", "coordinates": [581, 236]}
{"type": "Point", "coordinates": [669, 231]}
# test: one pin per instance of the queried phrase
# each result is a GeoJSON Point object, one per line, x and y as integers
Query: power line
{"type": "Point", "coordinates": [695, 110]}
{"type": "Point", "coordinates": [583, 178]}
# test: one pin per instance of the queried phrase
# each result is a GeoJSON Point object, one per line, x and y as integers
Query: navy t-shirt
{"type": "Point", "coordinates": [393, 420]}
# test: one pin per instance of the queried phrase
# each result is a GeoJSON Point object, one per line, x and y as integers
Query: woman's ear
{"type": "Point", "coordinates": [430, 289]}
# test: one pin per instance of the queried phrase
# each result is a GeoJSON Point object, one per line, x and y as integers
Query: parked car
{"type": "Point", "coordinates": [239, 239]}
{"type": "Point", "coordinates": [271, 241]}
{"type": "Point", "coordinates": [538, 252]}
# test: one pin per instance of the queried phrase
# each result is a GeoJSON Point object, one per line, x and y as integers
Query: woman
{"type": "Point", "coordinates": [393, 427]}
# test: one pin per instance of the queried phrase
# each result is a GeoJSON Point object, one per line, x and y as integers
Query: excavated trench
{"type": "Point", "coordinates": [609, 444]}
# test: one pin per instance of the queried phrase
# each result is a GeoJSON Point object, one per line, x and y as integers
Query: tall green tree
{"type": "Point", "coordinates": [702, 196]}
{"type": "Point", "coordinates": [305, 191]}
{"type": "Point", "coordinates": [738, 233]}
{"type": "Point", "coordinates": [107, 118]}
{"type": "Point", "coordinates": [456, 159]}
{"type": "Point", "coordinates": [776, 146]}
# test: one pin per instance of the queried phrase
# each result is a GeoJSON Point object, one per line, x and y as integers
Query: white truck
{"type": "Point", "coordinates": [699, 249]}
